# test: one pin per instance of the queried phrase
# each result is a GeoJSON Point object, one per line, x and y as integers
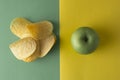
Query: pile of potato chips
{"type": "Point", "coordinates": [36, 39]}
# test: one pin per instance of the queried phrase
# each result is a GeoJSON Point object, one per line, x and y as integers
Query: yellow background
{"type": "Point", "coordinates": [104, 17]}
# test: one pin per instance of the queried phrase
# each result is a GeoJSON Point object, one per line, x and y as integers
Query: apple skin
{"type": "Point", "coordinates": [85, 40]}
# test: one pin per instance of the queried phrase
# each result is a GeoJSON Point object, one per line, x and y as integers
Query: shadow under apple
{"type": "Point", "coordinates": [106, 35]}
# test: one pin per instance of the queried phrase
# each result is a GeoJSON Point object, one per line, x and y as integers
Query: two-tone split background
{"type": "Point", "coordinates": [62, 62]}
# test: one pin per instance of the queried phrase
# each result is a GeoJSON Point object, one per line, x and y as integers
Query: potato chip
{"type": "Point", "coordinates": [46, 45]}
{"type": "Point", "coordinates": [35, 55]}
{"type": "Point", "coordinates": [23, 48]}
{"type": "Point", "coordinates": [36, 41]}
{"type": "Point", "coordinates": [40, 30]}
{"type": "Point", "coordinates": [18, 27]}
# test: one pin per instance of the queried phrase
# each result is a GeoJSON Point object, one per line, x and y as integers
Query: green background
{"type": "Point", "coordinates": [46, 68]}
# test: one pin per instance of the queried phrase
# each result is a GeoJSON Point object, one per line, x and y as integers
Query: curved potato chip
{"type": "Point", "coordinates": [40, 30]}
{"type": "Point", "coordinates": [36, 39]}
{"type": "Point", "coordinates": [23, 48]}
{"type": "Point", "coordinates": [46, 44]}
{"type": "Point", "coordinates": [18, 27]}
{"type": "Point", "coordinates": [35, 55]}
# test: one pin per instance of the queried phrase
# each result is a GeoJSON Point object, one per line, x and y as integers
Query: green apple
{"type": "Point", "coordinates": [85, 40]}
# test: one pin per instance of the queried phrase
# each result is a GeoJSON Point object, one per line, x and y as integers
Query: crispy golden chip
{"type": "Point", "coordinates": [24, 28]}
{"type": "Point", "coordinates": [23, 48]}
{"type": "Point", "coordinates": [36, 41]}
{"type": "Point", "coordinates": [18, 27]}
{"type": "Point", "coordinates": [46, 45]}
{"type": "Point", "coordinates": [40, 30]}
{"type": "Point", "coordinates": [35, 55]}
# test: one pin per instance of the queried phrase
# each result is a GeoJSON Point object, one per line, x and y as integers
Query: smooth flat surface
{"type": "Point", "coordinates": [46, 68]}
{"type": "Point", "coordinates": [104, 17]}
